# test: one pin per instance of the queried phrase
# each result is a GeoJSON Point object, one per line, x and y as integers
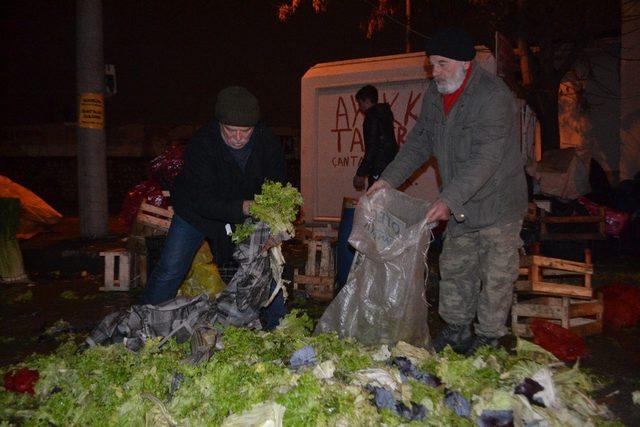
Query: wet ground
{"type": "Point", "coordinates": [66, 273]}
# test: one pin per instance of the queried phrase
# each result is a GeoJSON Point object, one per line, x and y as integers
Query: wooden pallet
{"type": "Point", "coordinates": [117, 259]}
{"type": "Point", "coordinates": [549, 276]}
{"type": "Point", "coordinates": [320, 259]}
{"type": "Point", "coordinates": [318, 280]}
{"type": "Point", "coordinates": [317, 287]}
{"type": "Point", "coordinates": [598, 221]}
{"type": "Point", "coordinates": [317, 231]}
{"type": "Point", "coordinates": [579, 316]}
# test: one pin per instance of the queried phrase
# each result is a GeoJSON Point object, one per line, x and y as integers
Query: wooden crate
{"type": "Point", "coordinates": [120, 260]}
{"type": "Point", "coordinates": [320, 258]}
{"type": "Point", "coordinates": [154, 217]}
{"type": "Point", "coordinates": [317, 287]}
{"type": "Point", "coordinates": [598, 221]}
{"type": "Point", "coordinates": [550, 276]}
{"type": "Point", "coordinates": [317, 231]}
{"type": "Point", "coordinates": [583, 317]}
{"type": "Point", "coordinates": [150, 221]}
{"type": "Point", "coordinates": [318, 280]}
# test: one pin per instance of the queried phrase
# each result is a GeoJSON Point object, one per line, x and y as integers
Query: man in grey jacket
{"type": "Point", "coordinates": [469, 122]}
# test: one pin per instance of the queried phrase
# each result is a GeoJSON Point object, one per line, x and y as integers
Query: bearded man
{"type": "Point", "coordinates": [469, 122]}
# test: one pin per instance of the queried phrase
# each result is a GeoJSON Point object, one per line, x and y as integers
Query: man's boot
{"type": "Point", "coordinates": [482, 341]}
{"type": "Point", "coordinates": [459, 337]}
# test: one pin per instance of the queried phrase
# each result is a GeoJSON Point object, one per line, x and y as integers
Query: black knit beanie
{"type": "Point", "coordinates": [453, 43]}
{"type": "Point", "coordinates": [236, 106]}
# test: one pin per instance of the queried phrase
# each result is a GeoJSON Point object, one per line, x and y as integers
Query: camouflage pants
{"type": "Point", "coordinates": [478, 271]}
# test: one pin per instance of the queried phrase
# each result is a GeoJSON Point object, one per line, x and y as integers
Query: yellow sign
{"type": "Point", "coordinates": [91, 111]}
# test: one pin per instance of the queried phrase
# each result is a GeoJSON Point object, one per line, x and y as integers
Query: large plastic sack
{"type": "Point", "coordinates": [383, 300]}
{"type": "Point", "coordinates": [134, 326]}
{"type": "Point", "coordinates": [203, 276]}
{"type": "Point", "coordinates": [249, 289]}
{"type": "Point", "coordinates": [35, 214]}
{"type": "Point", "coordinates": [11, 265]}
{"type": "Point", "coordinates": [615, 221]}
{"type": "Point", "coordinates": [564, 344]}
{"type": "Point", "coordinates": [621, 305]}
{"type": "Point", "coordinates": [238, 304]}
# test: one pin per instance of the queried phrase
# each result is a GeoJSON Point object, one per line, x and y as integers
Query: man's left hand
{"type": "Point", "coordinates": [270, 243]}
{"type": "Point", "coordinates": [438, 211]}
{"type": "Point", "coordinates": [358, 182]}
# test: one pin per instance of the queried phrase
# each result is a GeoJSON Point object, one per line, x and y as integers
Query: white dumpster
{"type": "Point", "coordinates": [331, 125]}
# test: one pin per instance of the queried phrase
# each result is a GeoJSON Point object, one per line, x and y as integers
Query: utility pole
{"type": "Point", "coordinates": [92, 158]}
{"type": "Point", "coordinates": [407, 26]}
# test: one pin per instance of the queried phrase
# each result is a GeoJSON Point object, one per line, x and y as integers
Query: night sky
{"type": "Point", "coordinates": [172, 57]}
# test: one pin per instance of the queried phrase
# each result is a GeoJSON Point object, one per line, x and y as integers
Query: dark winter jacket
{"type": "Point", "coordinates": [478, 150]}
{"type": "Point", "coordinates": [209, 191]}
{"type": "Point", "coordinates": [379, 140]}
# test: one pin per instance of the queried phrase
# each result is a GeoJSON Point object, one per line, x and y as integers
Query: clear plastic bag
{"type": "Point", "coordinates": [384, 299]}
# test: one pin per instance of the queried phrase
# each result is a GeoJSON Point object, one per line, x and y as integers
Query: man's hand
{"type": "Point", "coordinates": [270, 243]}
{"type": "Point", "coordinates": [245, 207]}
{"type": "Point", "coordinates": [358, 182]}
{"type": "Point", "coordinates": [378, 185]}
{"type": "Point", "coordinates": [438, 211]}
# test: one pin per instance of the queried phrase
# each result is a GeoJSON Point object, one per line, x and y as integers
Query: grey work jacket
{"type": "Point", "coordinates": [478, 151]}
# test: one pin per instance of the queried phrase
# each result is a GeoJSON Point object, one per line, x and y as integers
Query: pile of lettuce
{"type": "Point", "coordinates": [111, 386]}
{"type": "Point", "coordinates": [276, 205]}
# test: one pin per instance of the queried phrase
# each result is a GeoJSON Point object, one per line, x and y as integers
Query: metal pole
{"type": "Point", "coordinates": [92, 159]}
{"type": "Point", "coordinates": [407, 26]}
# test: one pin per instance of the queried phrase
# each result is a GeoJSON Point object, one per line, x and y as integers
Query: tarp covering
{"type": "Point", "coordinates": [238, 304]}
{"type": "Point", "coordinates": [35, 214]}
{"type": "Point", "coordinates": [563, 173]}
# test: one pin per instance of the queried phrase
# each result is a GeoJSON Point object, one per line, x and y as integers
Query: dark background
{"type": "Point", "coordinates": [172, 57]}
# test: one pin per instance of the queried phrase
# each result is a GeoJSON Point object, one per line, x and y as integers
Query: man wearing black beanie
{"type": "Point", "coordinates": [469, 122]}
{"type": "Point", "coordinates": [226, 162]}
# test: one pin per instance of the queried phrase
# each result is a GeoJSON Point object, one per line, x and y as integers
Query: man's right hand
{"type": "Point", "coordinates": [378, 185]}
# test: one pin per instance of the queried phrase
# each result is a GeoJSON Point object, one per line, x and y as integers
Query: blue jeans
{"type": "Point", "coordinates": [180, 247]}
{"type": "Point", "coordinates": [271, 314]}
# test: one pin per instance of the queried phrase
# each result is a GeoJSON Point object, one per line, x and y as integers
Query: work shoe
{"type": "Point", "coordinates": [459, 337]}
{"type": "Point", "coordinates": [482, 341]}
